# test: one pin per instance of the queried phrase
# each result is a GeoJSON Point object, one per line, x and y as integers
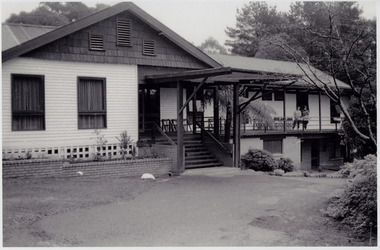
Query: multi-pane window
{"type": "Point", "coordinates": [28, 102]}
{"type": "Point", "coordinates": [92, 103]}
{"type": "Point", "coordinates": [273, 146]}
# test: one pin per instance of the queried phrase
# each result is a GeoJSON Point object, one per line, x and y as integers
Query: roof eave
{"type": "Point", "coordinates": [101, 15]}
{"type": "Point", "coordinates": [63, 31]}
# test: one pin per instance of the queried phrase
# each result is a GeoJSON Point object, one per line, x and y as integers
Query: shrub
{"type": "Point", "coordinates": [278, 172]}
{"type": "Point", "coordinates": [100, 143]}
{"type": "Point", "coordinates": [259, 160]}
{"type": "Point", "coordinates": [285, 164]}
{"type": "Point", "coordinates": [125, 140]}
{"type": "Point", "coordinates": [358, 167]}
{"type": "Point", "coordinates": [357, 205]}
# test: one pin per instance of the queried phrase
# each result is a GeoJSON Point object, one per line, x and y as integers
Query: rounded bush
{"type": "Point", "coordinates": [357, 205]}
{"type": "Point", "coordinates": [285, 164]}
{"type": "Point", "coordinates": [259, 160]}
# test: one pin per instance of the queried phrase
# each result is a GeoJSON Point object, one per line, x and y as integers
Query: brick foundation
{"type": "Point", "coordinates": [56, 168]}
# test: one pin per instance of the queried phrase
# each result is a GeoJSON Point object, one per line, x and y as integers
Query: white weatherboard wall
{"type": "Point", "coordinates": [250, 143]}
{"type": "Point", "coordinates": [168, 103]}
{"type": "Point", "coordinates": [61, 108]}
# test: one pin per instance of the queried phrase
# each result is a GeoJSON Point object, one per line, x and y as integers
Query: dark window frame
{"type": "Point", "coordinates": [119, 30]}
{"type": "Point", "coordinates": [25, 113]}
{"type": "Point", "coordinates": [267, 96]}
{"type": "Point", "coordinates": [97, 112]}
{"type": "Point", "coordinates": [281, 141]}
{"type": "Point", "coordinates": [279, 96]}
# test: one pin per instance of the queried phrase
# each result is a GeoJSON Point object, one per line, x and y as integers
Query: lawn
{"type": "Point", "coordinates": [26, 201]}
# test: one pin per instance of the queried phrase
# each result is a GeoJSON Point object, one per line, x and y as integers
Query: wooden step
{"type": "Point", "coordinates": [204, 165]}
{"type": "Point", "coordinates": [209, 159]}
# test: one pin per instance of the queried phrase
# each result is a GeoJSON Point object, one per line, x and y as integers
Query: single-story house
{"type": "Point", "coordinates": [120, 69]}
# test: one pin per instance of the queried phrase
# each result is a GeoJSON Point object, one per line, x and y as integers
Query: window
{"type": "Point", "coordinates": [278, 96]}
{"type": "Point", "coordinates": [335, 112]}
{"type": "Point", "coordinates": [92, 103]}
{"type": "Point", "coordinates": [96, 42]}
{"type": "Point", "coordinates": [149, 48]}
{"type": "Point", "coordinates": [28, 102]}
{"type": "Point", "coordinates": [267, 96]}
{"type": "Point", "coordinates": [123, 31]}
{"type": "Point", "coordinates": [273, 146]}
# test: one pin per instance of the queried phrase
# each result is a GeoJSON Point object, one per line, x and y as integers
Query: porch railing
{"type": "Point", "coordinates": [277, 126]}
{"type": "Point", "coordinates": [205, 132]}
{"type": "Point", "coordinates": [286, 125]}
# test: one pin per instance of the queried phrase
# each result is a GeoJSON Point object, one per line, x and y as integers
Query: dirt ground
{"type": "Point", "coordinates": [290, 213]}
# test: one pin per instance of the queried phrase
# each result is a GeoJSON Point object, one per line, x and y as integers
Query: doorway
{"type": "Point", "coordinates": [149, 108]}
{"type": "Point", "coordinates": [315, 148]}
{"type": "Point", "coordinates": [302, 100]}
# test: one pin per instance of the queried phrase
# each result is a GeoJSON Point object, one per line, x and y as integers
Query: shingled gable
{"type": "Point", "coordinates": [99, 16]}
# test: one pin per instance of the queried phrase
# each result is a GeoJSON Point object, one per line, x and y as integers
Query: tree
{"type": "Point", "coordinates": [267, 49]}
{"type": "Point", "coordinates": [349, 46]}
{"type": "Point", "coordinates": [253, 22]}
{"type": "Point", "coordinates": [212, 46]}
{"type": "Point", "coordinates": [55, 13]}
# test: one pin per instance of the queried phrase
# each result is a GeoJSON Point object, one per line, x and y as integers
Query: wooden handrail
{"type": "Point", "coordinates": [164, 134]}
{"type": "Point", "coordinates": [212, 137]}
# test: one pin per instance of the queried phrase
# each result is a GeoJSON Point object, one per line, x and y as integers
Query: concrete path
{"type": "Point", "coordinates": [205, 207]}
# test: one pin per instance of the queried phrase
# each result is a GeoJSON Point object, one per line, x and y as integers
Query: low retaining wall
{"type": "Point", "coordinates": [32, 168]}
{"type": "Point", "coordinates": [56, 168]}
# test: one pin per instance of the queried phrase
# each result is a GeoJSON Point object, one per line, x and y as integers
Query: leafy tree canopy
{"type": "Point", "coordinates": [253, 22]}
{"type": "Point", "coordinates": [212, 46]}
{"type": "Point", "coordinates": [55, 13]}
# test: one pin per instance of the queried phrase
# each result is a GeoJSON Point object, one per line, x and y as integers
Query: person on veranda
{"type": "Point", "coordinates": [297, 118]}
{"type": "Point", "coordinates": [305, 117]}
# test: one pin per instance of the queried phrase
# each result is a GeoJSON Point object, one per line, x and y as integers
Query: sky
{"type": "Point", "coordinates": [194, 20]}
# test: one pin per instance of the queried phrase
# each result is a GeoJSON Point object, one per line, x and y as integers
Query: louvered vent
{"type": "Point", "coordinates": [149, 48]}
{"type": "Point", "coordinates": [123, 32]}
{"type": "Point", "coordinates": [96, 42]}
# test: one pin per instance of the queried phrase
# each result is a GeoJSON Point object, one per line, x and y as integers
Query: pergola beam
{"type": "Point", "coordinates": [257, 96]}
{"type": "Point", "coordinates": [187, 75]}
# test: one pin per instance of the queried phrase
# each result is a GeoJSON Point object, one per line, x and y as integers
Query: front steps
{"type": "Point", "coordinates": [196, 154]}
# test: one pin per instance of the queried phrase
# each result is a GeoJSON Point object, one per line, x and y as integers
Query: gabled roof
{"type": "Point", "coordinates": [99, 16]}
{"type": "Point", "coordinates": [13, 34]}
{"type": "Point", "coordinates": [276, 67]}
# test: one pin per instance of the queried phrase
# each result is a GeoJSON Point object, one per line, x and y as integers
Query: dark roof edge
{"type": "Point", "coordinates": [174, 37]}
{"type": "Point", "coordinates": [99, 16]}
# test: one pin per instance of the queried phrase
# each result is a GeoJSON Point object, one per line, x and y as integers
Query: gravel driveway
{"type": "Point", "coordinates": [203, 207]}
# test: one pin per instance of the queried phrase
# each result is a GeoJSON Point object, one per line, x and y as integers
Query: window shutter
{"type": "Point", "coordinates": [149, 48]}
{"type": "Point", "coordinates": [123, 32]}
{"type": "Point", "coordinates": [96, 42]}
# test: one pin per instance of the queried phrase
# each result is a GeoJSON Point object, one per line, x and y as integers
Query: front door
{"type": "Point", "coordinates": [315, 154]}
{"type": "Point", "coordinates": [149, 108]}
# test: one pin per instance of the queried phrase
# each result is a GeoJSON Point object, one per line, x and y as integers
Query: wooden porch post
{"type": "Point", "coordinates": [236, 126]}
{"type": "Point", "coordinates": [180, 149]}
{"type": "Point", "coordinates": [194, 111]}
{"type": "Point", "coordinates": [320, 111]}
{"type": "Point", "coordinates": [284, 112]}
{"type": "Point", "coordinates": [216, 112]}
